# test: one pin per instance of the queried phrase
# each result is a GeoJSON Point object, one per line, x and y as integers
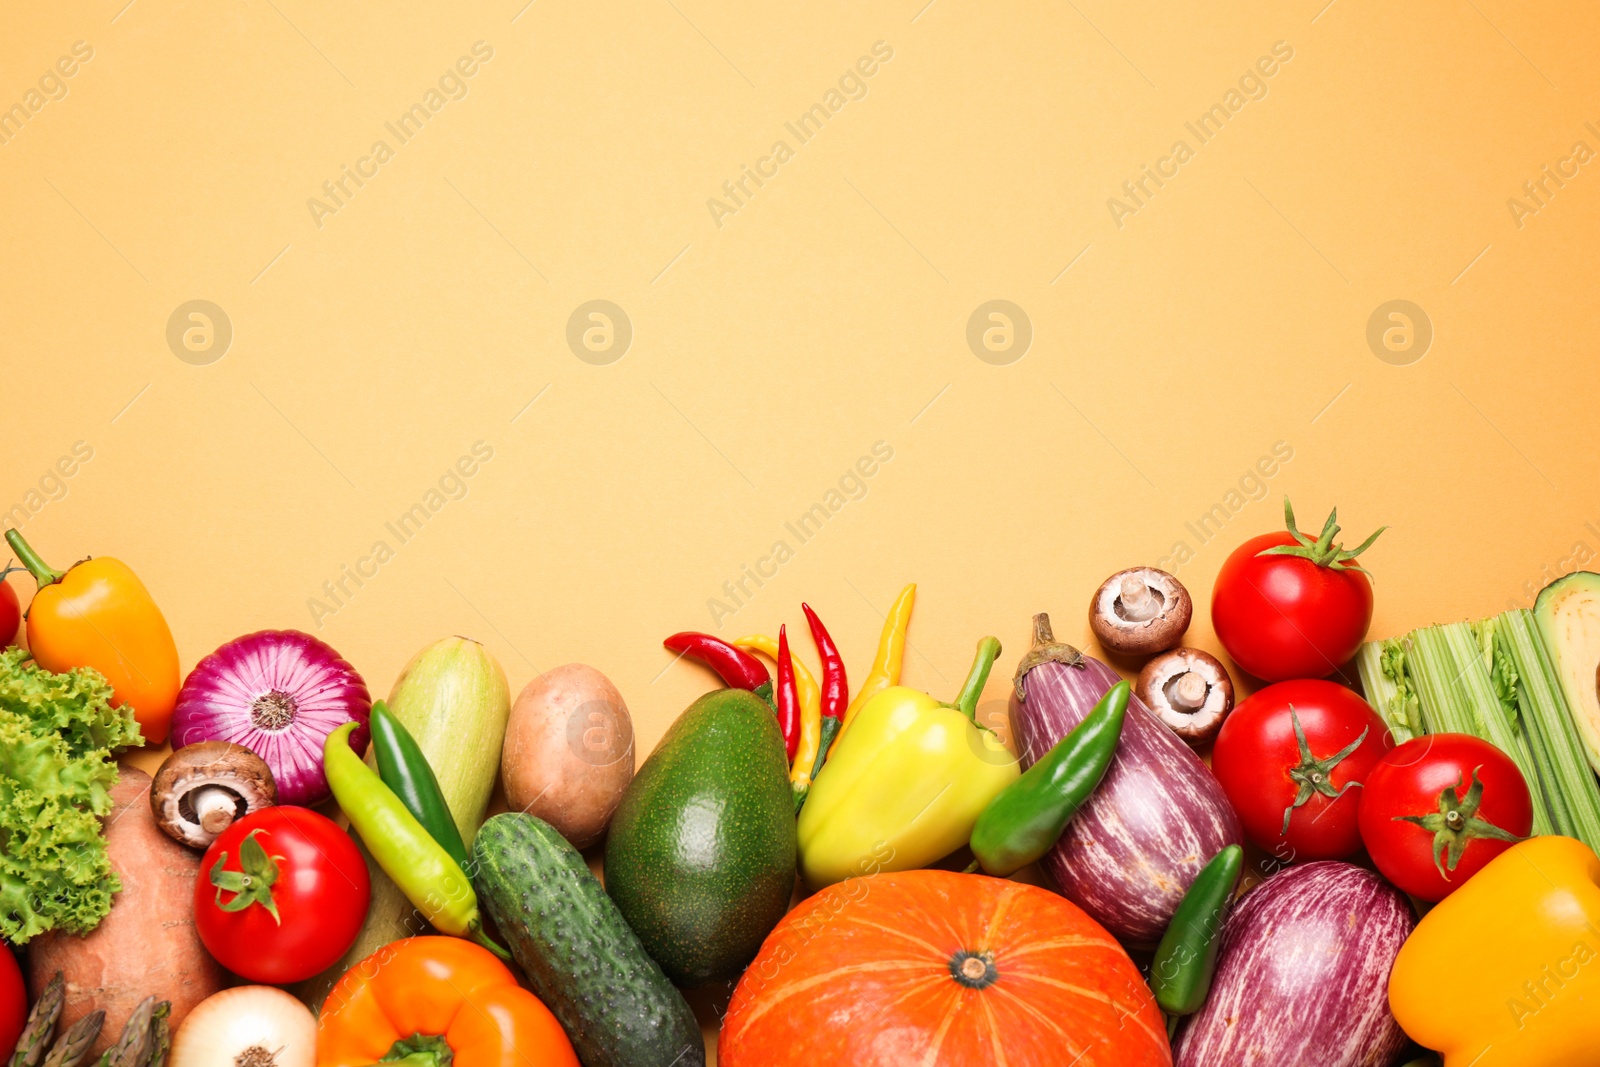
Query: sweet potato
{"type": "Point", "coordinates": [148, 944]}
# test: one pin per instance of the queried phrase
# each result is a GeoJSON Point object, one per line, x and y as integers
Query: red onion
{"type": "Point", "coordinates": [279, 693]}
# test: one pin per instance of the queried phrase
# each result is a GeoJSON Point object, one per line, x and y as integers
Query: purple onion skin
{"type": "Point", "coordinates": [1303, 974]}
{"type": "Point", "coordinates": [1156, 819]}
{"type": "Point", "coordinates": [219, 702]}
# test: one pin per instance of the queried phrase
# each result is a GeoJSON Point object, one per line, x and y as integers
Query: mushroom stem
{"type": "Point", "coordinates": [215, 808]}
{"type": "Point", "coordinates": [1188, 691]}
{"type": "Point", "coordinates": [1137, 603]}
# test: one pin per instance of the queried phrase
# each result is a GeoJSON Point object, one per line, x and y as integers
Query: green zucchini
{"type": "Point", "coordinates": [580, 956]}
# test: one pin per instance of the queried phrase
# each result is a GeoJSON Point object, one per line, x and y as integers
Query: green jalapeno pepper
{"type": "Point", "coordinates": [404, 769]}
{"type": "Point", "coordinates": [1180, 974]}
{"type": "Point", "coordinates": [1028, 817]}
{"type": "Point", "coordinates": [402, 847]}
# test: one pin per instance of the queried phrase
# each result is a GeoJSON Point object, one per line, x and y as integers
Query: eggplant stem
{"type": "Point", "coordinates": [1046, 649]}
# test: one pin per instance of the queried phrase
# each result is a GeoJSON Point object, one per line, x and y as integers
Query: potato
{"type": "Point", "coordinates": [148, 945]}
{"type": "Point", "coordinates": [568, 756]}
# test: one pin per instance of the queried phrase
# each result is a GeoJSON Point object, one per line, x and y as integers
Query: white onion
{"type": "Point", "coordinates": [248, 1026]}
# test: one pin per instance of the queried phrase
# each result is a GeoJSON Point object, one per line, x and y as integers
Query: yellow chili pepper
{"type": "Point", "coordinates": [1505, 971]}
{"type": "Point", "coordinates": [810, 707]}
{"type": "Point", "coordinates": [891, 654]}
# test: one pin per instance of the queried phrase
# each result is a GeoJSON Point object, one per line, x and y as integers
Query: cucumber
{"type": "Point", "coordinates": [580, 957]}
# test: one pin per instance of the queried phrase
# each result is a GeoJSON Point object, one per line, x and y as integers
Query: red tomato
{"type": "Point", "coordinates": [10, 619]}
{"type": "Point", "coordinates": [1292, 759]}
{"type": "Point", "coordinates": [13, 1000]}
{"type": "Point", "coordinates": [296, 862]}
{"type": "Point", "coordinates": [1298, 615]}
{"type": "Point", "coordinates": [1437, 808]}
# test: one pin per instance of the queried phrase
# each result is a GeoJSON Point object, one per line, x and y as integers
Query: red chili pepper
{"type": "Point", "coordinates": [788, 705]}
{"type": "Point", "coordinates": [736, 667]}
{"type": "Point", "coordinates": [835, 686]}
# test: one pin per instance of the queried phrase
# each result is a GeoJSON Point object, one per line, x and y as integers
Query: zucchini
{"type": "Point", "coordinates": [453, 699]}
{"type": "Point", "coordinates": [580, 956]}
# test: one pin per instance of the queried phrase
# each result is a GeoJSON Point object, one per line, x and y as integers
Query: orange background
{"type": "Point", "coordinates": [1172, 346]}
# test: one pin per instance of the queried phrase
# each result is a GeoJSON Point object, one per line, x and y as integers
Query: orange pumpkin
{"type": "Point", "coordinates": [932, 967]}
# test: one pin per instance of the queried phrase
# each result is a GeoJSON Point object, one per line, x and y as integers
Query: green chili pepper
{"type": "Point", "coordinates": [404, 769]}
{"type": "Point", "coordinates": [402, 847]}
{"type": "Point", "coordinates": [1028, 817]}
{"type": "Point", "coordinates": [1180, 974]}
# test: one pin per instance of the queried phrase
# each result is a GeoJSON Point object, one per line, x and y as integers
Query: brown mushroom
{"type": "Point", "coordinates": [201, 789]}
{"type": "Point", "coordinates": [1189, 690]}
{"type": "Point", "coordinates": [1140, 611]}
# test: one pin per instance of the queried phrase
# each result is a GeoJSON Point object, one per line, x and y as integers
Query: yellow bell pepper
{"type": "Point", "coordinates": [1505, 971]}
{"type": "Point", "coordinates": [905, 784]}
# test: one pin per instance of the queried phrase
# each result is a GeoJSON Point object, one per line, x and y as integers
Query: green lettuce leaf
{"type": "Point", "coordinates": [57, 736]}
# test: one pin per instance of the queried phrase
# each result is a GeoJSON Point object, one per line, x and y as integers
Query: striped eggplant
{"type": "Point", "coordinates": [1155, 821]}
{"type": "Point", "coordinates": [1303, 974]}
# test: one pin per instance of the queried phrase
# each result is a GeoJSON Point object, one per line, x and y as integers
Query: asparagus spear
{"type": "Point", "coordinates": [133, 1046]}
{"type": "Point", "coordinates": [160, 1035]}
{"type": "Point", "coordinates": [41, 1024]}
{"type": "Point", "coordinates": [77, 1041]}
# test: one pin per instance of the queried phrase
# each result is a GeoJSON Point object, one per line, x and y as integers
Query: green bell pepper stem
{"type": "Point", "coordinates": [42, 572]}
{"type": "Point", "coordinates": [982, 663]}
{"type": "Point", "coordinates": [1186, 960]}
{"type": "Point", "coordinates": [418, 1050]}
{"type": "Point", "coordinates": [1029, 816]}
{"type": "Point", "coordinates": [404, 769]}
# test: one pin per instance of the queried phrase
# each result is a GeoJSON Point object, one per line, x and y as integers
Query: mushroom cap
{"type": "Point", "coordinates": [1161, 683]}
{"type": "Point", "coordinates": [226, 772]}
{"type": "Point", "coordinates": [1154, 622]}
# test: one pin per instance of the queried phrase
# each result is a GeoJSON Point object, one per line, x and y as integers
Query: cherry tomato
{"type": "Point", "coordinates": [282, 894]}
{"type": "Point", "coordinates": [1437, 808]}
{"type": "Point", "coordinates": [13, 1000]}
{"type": "Point", "coordinates": [1285, 606]}
{"type": "Point", "coordinates": [1292, 759]}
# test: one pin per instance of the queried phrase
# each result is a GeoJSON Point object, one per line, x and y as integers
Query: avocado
{"type": "Point", "coordinates": [1568, 610]}
{"type": "Point", "coordinates": [700, 858]}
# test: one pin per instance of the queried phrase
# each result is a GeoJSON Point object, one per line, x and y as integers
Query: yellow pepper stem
{"type": "Point", "coordinates": [966, 701]}
{"type": "Point", "coordinates": [891, 653]}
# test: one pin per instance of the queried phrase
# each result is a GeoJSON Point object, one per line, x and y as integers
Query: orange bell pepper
{"type": "Point", "coordinates": [98, 614]}
{"type": "Point", "coordinates": [428, 1001]}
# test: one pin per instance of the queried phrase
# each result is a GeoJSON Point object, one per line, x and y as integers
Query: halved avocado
{"type": "Point", "coordinates": [1568, 610]}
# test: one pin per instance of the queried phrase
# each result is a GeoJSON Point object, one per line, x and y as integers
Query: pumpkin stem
{"type": "Point", "coordinates": [974, 970]}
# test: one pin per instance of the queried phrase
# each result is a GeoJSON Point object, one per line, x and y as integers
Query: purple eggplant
{"type": "Point", "coordinates": [1303, 974]}
{"type": "Point", "coordinates": [1158, 816]}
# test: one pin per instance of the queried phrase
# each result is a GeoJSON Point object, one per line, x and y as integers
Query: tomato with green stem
{"type": "Point", "coordinates": [1293, 758]}
{"type": "Point", "coordinates": [1286, 606]}
{"type": "Point", "coordinates": [282, 894]}
{"type": "Point", "coordinates": [1440, 807]}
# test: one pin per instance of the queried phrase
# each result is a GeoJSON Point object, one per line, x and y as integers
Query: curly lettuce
{"type": "Point", "coordinates": [57, 736]}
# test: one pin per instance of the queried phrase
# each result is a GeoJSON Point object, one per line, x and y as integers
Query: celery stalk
{"type": "Point", "coordinates": [1457, 695]}
{"type": "Point", "coordinates": [1382, 665]}
{"type": "Point", "coordinates": [1569, 783]}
